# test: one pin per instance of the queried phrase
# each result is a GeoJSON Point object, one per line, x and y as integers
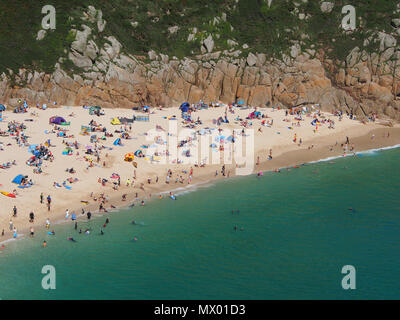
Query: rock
{"type": "Point", "coordinates": [208, 43]}
{"type": "Point", "coordinates": [295, 50]}
{"type": "Point", "coordinates": [101, 23]}
{"type": "Point", "coordinates": [173, 29]}
{"type": "Point", "coordinates": [251, 59]}
{"type": "Point", "coordinates": [111, 51]}
{"type": "Point", "coordinates": [79, 60]}
{"type": "Point", "coordinates": [41, 34]}
{"type": "Point", "coordinates": [152, 55]}
{"type": "Point", "coordinates": [91, 50]}
{"type": "Point", "coordinates": [231, 43]}
{"type": "Point", "coordinates": [396, 23]}
{"type": "Point", "coordinates": [326, 7]}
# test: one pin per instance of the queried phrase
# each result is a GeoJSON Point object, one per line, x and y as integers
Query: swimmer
{"type": "Point", "coordinates": [134, 239]}
{"type": "Point", "coordinates": [142, 203]}
{"type": "Point", "coordinates": [44, 243]}
{"type": "Point", "coordinates": [133, 222]}
{"type": "Point", "coordinates": [101, 231]}
{"type": "Point", "coordinates": [87, 231]}
{"type": "Point", "coordinates": [352, 209]}
{"type": "Point", "coordinates": [235, 228]}
{"type": "Point", "coordinates": [71, 239]}
{"type": "Point", "coordinates": [107, 221]}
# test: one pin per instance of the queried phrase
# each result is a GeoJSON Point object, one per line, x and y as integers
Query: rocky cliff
{"type": "Point", "coordinates": [104, 73]}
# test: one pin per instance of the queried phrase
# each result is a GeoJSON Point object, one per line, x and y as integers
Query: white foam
{"type": "Point", "coordinates": [369, 151]}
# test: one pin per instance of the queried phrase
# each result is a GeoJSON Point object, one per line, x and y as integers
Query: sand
{"type": "Point", "coordinates": [325, 143]}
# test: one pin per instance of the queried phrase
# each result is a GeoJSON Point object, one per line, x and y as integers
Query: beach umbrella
{"type": "Point", "coordinates": [241, 101]}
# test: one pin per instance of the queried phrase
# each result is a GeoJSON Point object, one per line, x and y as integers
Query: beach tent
{"type": "Point", "coordinates": [34, 150]}
{"type": "Point", "coordinates": [56, 120]}
{"type": "Point", "coordinates": [67, 151]}
{"type": "Point", "coordinates": [94, 110]}
{"type": "Point", "coordinates": [115, 121]}
{"type": "Point", "coordinates": [184, 107]}
{"type": "Point", "coordinates": [139, 153]}
{"type": "Point", "coordinates": [2, 107]}
{"type": "Point", "coordinates": [129, 157]}
{"type": "Point", "coordinates": [18, 179]}
{"type": "Point", "coordinates": [117, 142]}
{"type": "Point", "coordinates": [315, 122]}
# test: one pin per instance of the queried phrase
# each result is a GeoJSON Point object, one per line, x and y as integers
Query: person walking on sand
{"type": "Point", "coordinates": [32, 232]}
{"type": "Point", "coordinates": [41, 197]}
{"type": "Point", "coordinates": [14, 211]}
{"type": "Point", "coordinates": [11, 224]}
{"type": "Point", "coordinates": [47, 224]}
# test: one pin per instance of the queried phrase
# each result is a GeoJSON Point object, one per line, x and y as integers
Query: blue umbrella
{"type": "Point", "coordinates": [241, 101]}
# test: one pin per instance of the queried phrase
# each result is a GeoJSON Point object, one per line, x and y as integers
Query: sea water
{"type": "Point", "coordinates": [294, 234]}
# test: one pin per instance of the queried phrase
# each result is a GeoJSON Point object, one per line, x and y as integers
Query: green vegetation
{"type": "Point", "coordinates": [142, 25]}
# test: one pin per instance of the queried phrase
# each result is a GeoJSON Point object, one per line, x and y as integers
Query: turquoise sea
{"type": "Point", "coordinates": [298, 233]}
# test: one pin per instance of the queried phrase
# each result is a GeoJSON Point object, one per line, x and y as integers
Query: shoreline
{"type": "Point", "coordinates": [285, 160]}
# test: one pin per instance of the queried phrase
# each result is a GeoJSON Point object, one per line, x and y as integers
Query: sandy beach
{"type": "Point", "coordinates": [317, 142]}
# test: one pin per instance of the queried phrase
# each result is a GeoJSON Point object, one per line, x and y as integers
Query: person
{"type": "Point", "coordinates": [44, 243]}
{"type": "Point", "coordinates": [101, 231]}
{"type": "Point", "coordinates": [66, 214]}
{"type": "Point", "coordinates": [47, 224]}
{"type": "Point", "coordinates": [31, 217]}
{"type": "Point", "coordinates": [14, 211]}
{"type": "Point", "coordinates": [71, 239]}
{"type": "Point", "coordinates": [89, 214]}
{"type": "Point", "coordinates": [32, 231]}
{"type": "Point", "coordinates": [41, 197]}
{"type": "Point", "coordinates": [107, 221]}
{"type": "Point", "coordinates": [76, 225]}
